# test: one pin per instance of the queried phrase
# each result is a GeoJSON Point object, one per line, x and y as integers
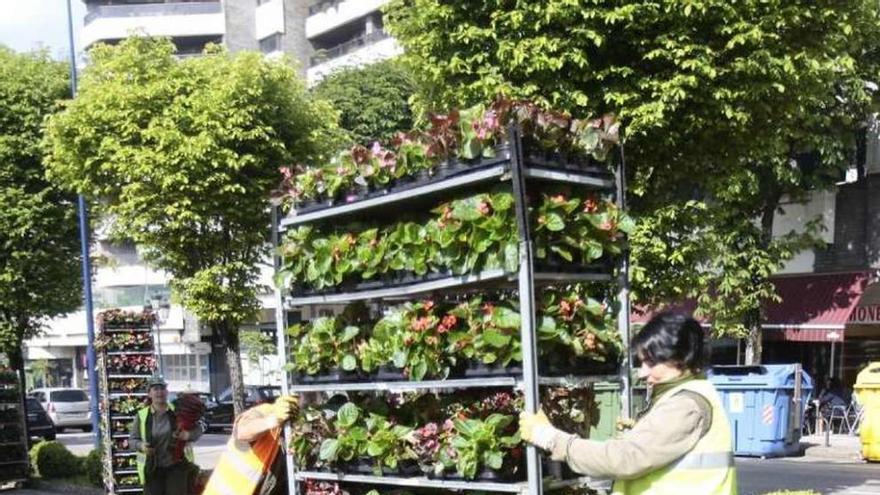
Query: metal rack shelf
{"type": "Point", "coordinates": [127, 353]}
{"type": "Point", "coordinates": [419, 481]}
{"type": "Point", "coordinates": [464, 179]}
{"type": "Point", "coordinates": [127, 330]}
{"type": "Point", "coordinates": [116, 395]}
{"type": "Point", "coordinates": [424, 482]}
{"type": "Point", "coordinates": [405, 386]}
{"type": "Point", "coordinates": [120, 376]}
{"type": "Point", "coordinates": [567, 177]}
{"type": "Point", "coordinates": [495, 169]}
{"type": "Point", "coordinates": [494, 278]}
{"type": "Point", "coordinates": [451, 384]}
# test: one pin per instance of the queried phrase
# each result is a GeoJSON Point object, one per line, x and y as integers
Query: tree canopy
{"type": "Point", "coordinates": [721, 104]}
{"type": "Point", "coordinates": [373, 100]}
{"type": "Point", "coordinates": [183, 155]}
{"type": "Point", "coordinates": [39, 259]}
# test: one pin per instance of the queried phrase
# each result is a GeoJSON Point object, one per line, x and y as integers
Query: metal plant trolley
{"type": "Point", "coordinates": [508, 167]}
{"type": "Point", "coordinates": [14, 462]}
{"type": "Point", "coordinates": [122, 345]}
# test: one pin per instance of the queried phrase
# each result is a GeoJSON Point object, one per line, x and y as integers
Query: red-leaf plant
{"type": "Point", "coordinates": [188, 413]}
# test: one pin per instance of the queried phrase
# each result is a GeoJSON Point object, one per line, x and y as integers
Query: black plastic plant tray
{"type": "Point", "coordinates": [475, 369]}
{"type": "Point", "coordinates": [330, 376]}
{"type": "Point", "coordinates": [579, 367]}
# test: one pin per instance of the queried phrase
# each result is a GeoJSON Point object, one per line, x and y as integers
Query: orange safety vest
{"type": "Point", "coordinates": [244, 465]}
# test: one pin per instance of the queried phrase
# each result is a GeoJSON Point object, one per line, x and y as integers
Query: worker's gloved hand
{"type": "Point", "coordinates": [537, 430]}
{"type": "Point", "coordinates": [285, 407]}
{"type": "Point", "coordinates": [624, 424]}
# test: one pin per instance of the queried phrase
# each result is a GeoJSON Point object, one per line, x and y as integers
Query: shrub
{"type": "Point", "coordinates": [53, 460]}
{"type": "Point", "coordinates": [93, 467]}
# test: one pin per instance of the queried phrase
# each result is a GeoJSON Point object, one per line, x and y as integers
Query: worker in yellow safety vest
{"type": "Point", "coordinates": [682, 441]}
{"type": "Point", "coordinates": [251, 464]}
{"type": "Point", "coordinates": [153, 434]}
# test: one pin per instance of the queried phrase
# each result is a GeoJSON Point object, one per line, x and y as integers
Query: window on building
{"type": "Point", "coordinates": [129, 295]}
{"type": "Point", "coordinates": [271, 43]}
{"type": "Point", "coordinates": [189, 368]}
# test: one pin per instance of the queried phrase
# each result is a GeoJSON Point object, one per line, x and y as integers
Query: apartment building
{"type": "Point", "coordinates": [323, 36]}
{"type": "Point", "coordinates": [345, 33]}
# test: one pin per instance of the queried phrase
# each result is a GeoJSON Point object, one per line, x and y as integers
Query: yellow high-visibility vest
{"type": "Point", "coordinates": [244, 465]}
{"type": "Point", "coordinates": [707, 469]}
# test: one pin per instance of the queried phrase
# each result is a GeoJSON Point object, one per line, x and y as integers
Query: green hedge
{"type": "Point", "coordinates": [52, 460]}
{"type": "Point", "coordinates": [93, 467]}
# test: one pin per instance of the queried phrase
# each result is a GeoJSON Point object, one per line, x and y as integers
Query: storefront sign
{"type": "Point", "coordinates": [865, 315]}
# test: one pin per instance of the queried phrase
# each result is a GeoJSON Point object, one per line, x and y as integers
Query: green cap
{"type": "Point", "coordinates": [157, 381]}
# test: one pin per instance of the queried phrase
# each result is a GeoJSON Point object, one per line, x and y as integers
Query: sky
{"type": "Point", "coordinates": [33, 24]}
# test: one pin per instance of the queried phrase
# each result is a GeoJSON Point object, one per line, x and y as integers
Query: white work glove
{"type": "Point", "coordinates": [537, 430]}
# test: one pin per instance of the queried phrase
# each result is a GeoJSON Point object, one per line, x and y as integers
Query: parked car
{"type": "Point", "coordinates": [38, 423]}
{"type": "Point", "coordinates": [67, 407]}
{"type": "Point", "coordinates": [220, 415]}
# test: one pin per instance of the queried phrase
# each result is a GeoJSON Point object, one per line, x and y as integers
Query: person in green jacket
{"type": "Point", "coordinates": [153, 434]}
{"type": "Point", "coordinates": [681, 443]}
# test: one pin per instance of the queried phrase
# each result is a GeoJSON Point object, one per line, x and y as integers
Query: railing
{"type": "Point", "coordinates": [350, 46]}
{"type": "Point", "coordinates": [322, 6]}
{"type": "Point", "coordinates": [166, 7]}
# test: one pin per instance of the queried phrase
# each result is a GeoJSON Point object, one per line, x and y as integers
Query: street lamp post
{"type": "Point", "coordinates": [161, 308]}
{"type": "Point", "coordinates": [91, 359]}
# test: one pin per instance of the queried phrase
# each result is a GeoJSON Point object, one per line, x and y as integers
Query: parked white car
{"type": "Point", "coordinates": [66, 407]}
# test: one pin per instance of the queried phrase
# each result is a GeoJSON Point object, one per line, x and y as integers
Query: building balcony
{"type": "Point", "coordinates": [327, 15]}
{"type": "Point", "coordinates": [174, 19]}
{"type": "Point", "coordinates": [269, 19]}
{"type": "Point", "coordinates": [363, 50]}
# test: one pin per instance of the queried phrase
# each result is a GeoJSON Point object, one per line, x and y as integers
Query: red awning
{"type": "Point", "coordinates": [815, 307]}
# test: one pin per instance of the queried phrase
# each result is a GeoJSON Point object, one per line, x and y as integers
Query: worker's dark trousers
{"type": "Point", "coordinates": [171, 480]}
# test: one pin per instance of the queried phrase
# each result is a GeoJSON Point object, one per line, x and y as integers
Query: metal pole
{"type": "Point", "coordinates": [623, 323]}
{"type": "Point", "coordinates": [527, 306]}
{"type": "Point", "coordinates": [831, 362]}
{"type": "Point", "coordinates": [280, 330]}
{"type": "Point", "coordinates": [159, 346]}
{"type": "Point", "coordinates": [86, 262]}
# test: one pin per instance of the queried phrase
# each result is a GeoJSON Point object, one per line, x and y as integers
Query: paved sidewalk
{"type": "Point", "coordinates": [843, 449]}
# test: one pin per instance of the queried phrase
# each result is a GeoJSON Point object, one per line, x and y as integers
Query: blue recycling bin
{"type": "Point", "coordinates": [759, 401]}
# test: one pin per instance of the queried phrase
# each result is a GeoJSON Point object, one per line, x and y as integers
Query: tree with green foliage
{"type": "Point", "coordinates": [40, 256]}
{"type": "Point", "coordinates": [722, 104]}
{"type": "Point", "coordinates": [182, 155]}
{"type": "Point", "coordinates": [373, 100]}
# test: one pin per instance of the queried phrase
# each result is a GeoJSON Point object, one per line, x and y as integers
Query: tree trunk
{"type": "Point", "coordinates": [754, 318]}
{"type": "Point", "coordinates": [753, 340]}
{"type": "Point", "coordinates": [229, 338]}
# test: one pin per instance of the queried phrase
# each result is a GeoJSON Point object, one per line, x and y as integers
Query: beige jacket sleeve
{"type": "Point", "coordinates": [667, 432]}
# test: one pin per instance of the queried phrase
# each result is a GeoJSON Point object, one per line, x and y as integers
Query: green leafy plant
{"type": "Point", "coordinates": [468, 134]}
{"type": "Point", "coordinates": [323, 344]}
{"type": "Point", "coordinates": [387, 443]}
{"type": "Point", "coordinates": [583, 325]}
{"type": "Point", "coordinates": [350, 442]}
{"type": "Point", "coordinates": [466, 235]}
{"type": "Point", "coordinates": [410, 339]}
{"type": "Point", "coordinates": [479, 443]}
{"type": "Point", "coordinates": [490, 332]}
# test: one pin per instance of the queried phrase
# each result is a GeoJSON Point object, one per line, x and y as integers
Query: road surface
{"type": "Point", "coordinates": [756, 476]}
